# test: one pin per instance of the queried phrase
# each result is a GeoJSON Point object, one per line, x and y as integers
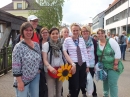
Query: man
{"type": "Point", "coordinates": [34, 21]}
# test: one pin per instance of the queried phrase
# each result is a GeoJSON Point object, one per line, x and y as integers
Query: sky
{"type": "Point", "coordinates": [78, 11]}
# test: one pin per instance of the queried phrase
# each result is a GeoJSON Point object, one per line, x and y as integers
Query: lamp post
{"type": "Point", "coordinates": [127, 17]}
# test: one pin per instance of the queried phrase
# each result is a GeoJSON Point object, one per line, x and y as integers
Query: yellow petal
{"type": "Point", "coordinates": [59, 70]}
{"type": "Point", "coordinates": [66, 65]}
{"type": "Point", "coordinates": [62, 67]}
{"type": "Point", "coordinates": [70, 75]}
{"type": "Point", "coordinates": [67, 77]}
{"type": "Point", "coordinates": [69, 67]}
{"type": "Point", "coordinates": [59, 74]}
{"type": "Point", "coordinates": [60, 78]}
{"type": "Point", "coordinates": [63, 79]}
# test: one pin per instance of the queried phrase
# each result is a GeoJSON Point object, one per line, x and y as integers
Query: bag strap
{"type": "Point", "coordinates": [29, 46]}
{"type": "Point", "coordinates": [103, 50]}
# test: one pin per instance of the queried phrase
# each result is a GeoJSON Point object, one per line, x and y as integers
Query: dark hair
{"type": "Point", "coordinates": [24, 26]}
{"type": "Point", "coordinates": [102, 30]}
{"type": "Point", "coordinates": [52, 29]}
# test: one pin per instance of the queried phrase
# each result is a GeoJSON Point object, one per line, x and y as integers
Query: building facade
{"type": "Point", "coordinates": [98, 22]}
{"type": "Point", "coordinates": [20, 7]}
{"type": "Point", "coordinates": [117, 17]}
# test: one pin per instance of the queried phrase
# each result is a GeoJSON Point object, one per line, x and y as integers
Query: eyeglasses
{"type": "Point", "coordinates": [100, 33]}
{"type": "Point", "coordinates": [84, 31]}
{"type": "Point", "coordinates": [34, 20]}
{"type": "Point", "coordinates": [44, 32]}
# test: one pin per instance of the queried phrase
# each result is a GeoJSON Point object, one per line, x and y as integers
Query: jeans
{"type": "Point", "coordinates": [123, 49]}
{"type": "Point", "coordinates": [31, 90]}
{"type": "Point", "coordinates": [110, 84]}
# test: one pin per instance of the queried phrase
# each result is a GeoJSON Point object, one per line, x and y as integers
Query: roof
{"type": "Point", "coordinates": [111, 5]}
{"type": "Point", "coordinates": [99, 14]}
{"type": "Point", "coordinates": [30, 5]}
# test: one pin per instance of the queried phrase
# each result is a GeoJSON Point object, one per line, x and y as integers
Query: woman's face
{"type": "Point", "coordinates": [34, 23]}
{"type": "Point", "coordinates": [54, 35]}
{"type": "Point", "coordinates": [65, 33]}
{"type": "Point", "coordinates": [75, 31]}
{"type": "Point", "coordinates": [101, 35]}
{"type": "Point", "coordinates": [85, 32]}
{"type": "Point", "coordinates": [45, 34]}
{"type": "Point", "coordinates": [28, 33]}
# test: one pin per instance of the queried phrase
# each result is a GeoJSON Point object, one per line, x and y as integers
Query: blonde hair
{"type": "Point", "coordinates": [44, 28]}
{"type": "Point", "coordinates": [87, 28]}
{"type": "Point", "coordinates": [74, 24]}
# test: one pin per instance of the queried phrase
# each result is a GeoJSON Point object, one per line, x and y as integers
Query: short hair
{"type": "Point", "coordinates": [24, 26]}
{"type": "Point", "coordinates": [74, 24]}
{"type": "Point", "coordinates": [44, 28]}
{"type": "Point", "coordinates": [87, 28]}
{"type": "Point", "coordinates": [52, 29]}
{"type": "Point", "coordinates": [102, 30]}
{"type": "Point", "coordinates": [124, 32]}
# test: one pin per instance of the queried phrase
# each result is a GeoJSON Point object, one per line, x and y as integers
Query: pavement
{"type": "Point", "coordinates": [7, 90]}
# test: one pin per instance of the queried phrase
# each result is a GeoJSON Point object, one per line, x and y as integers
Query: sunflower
{"type": "Point", "coordinates": [64, 72]}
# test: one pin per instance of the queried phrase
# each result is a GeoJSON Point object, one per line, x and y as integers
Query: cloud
{"type": "Point", "coordinates": [82, 11]}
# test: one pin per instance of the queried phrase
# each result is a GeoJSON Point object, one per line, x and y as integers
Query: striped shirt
{"type": "Point", "coordinates": [70, 46]}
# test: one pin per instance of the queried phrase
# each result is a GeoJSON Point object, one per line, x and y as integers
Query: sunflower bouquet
{"type": "Point", "coordinates": [64, 72]}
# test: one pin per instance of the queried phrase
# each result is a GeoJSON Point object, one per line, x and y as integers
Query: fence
{"type": "Point", "coordinates": [5, 60]}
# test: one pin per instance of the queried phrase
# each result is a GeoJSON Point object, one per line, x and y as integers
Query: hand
{"type": "Point", "coordinates": [52, 70]}
{"type": "Point", "coordinates": [87, 69]}
{"type": "Point", "coordinates": [115, 67]}
{"type": "Point", "coordinates": [73, 69]}
{"type": "Point", "coordinates": [20, 86]}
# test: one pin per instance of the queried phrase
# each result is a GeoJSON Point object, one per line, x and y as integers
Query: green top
{"type": "Point", "coordinates": [108, 56]}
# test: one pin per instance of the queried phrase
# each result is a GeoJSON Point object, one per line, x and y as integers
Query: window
{"type": "Point", "coordinates": [19, 5]}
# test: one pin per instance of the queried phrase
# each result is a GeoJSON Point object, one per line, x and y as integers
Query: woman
{"type": "Point", "coordinates": [53, 58]}
{"type": "Point", "coordinates": [43, 91]}
{"type": "Point", "coordinates": [64, 33]}
{"type": "Point", "coordinates": [78, 58]}
{"type": "Point", "coordinates": [26, 62]}
{"type": "Point", "coordinates": [91, 46]}
{"type": "Point", "coordinates": [110, 59]}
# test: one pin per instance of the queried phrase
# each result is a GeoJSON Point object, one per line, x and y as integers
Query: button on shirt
{"type": "Point", "coordinates": [71, 47]}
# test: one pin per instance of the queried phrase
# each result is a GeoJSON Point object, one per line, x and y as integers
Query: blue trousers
{"type": "Point", "coordinates": [32, 89]}
{"type": "Point", "coordinates": [123, 49]}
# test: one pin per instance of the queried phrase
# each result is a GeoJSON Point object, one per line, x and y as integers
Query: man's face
{"type": "Point", "coordinates": [34, 23]}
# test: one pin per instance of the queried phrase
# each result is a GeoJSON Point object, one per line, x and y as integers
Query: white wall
{"type": "Point", "coordinates": [114, 12]}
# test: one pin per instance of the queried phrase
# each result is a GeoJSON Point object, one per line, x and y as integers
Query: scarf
{"type": "Point", "coordinates": [56, 47]}
{"type": "Point", "coordinates": [88, 42]}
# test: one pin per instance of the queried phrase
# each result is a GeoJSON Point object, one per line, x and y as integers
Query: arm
{"type": "Point", "coordinates": [16, 66]}
{"type": "Point", "coordinates": [116, 48]}
{"type": "Point", "coordinates": [68, 57]}
{"type": "Point", "coordinates": [45, 48]}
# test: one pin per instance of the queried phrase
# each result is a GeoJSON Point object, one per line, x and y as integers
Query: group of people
{"type": "Point", "coordinates": [46, 51]}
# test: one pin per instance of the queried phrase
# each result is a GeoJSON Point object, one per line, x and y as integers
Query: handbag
{"type": "Point", "coordinates": [52, 74]}
{"type": "Point", "coordinates": [102, 74]}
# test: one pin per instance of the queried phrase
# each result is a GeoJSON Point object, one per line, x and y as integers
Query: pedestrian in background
{"type": "Point", "coordinates": [26, 63]}
{"type": "Point", "coordinates": [78, 58]}
{"type": "Point", "coordinates": [110, 59]}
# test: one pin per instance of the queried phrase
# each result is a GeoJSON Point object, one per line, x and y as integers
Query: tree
{"type": "Point", "coordinates": [49, 12]}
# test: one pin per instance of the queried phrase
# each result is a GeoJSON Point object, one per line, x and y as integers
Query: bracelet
{"type": "Point", "coordinates": [73, 64]}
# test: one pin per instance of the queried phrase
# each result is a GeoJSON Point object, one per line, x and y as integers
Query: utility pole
{"type": "Point", "coordinates": [127, 18]}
